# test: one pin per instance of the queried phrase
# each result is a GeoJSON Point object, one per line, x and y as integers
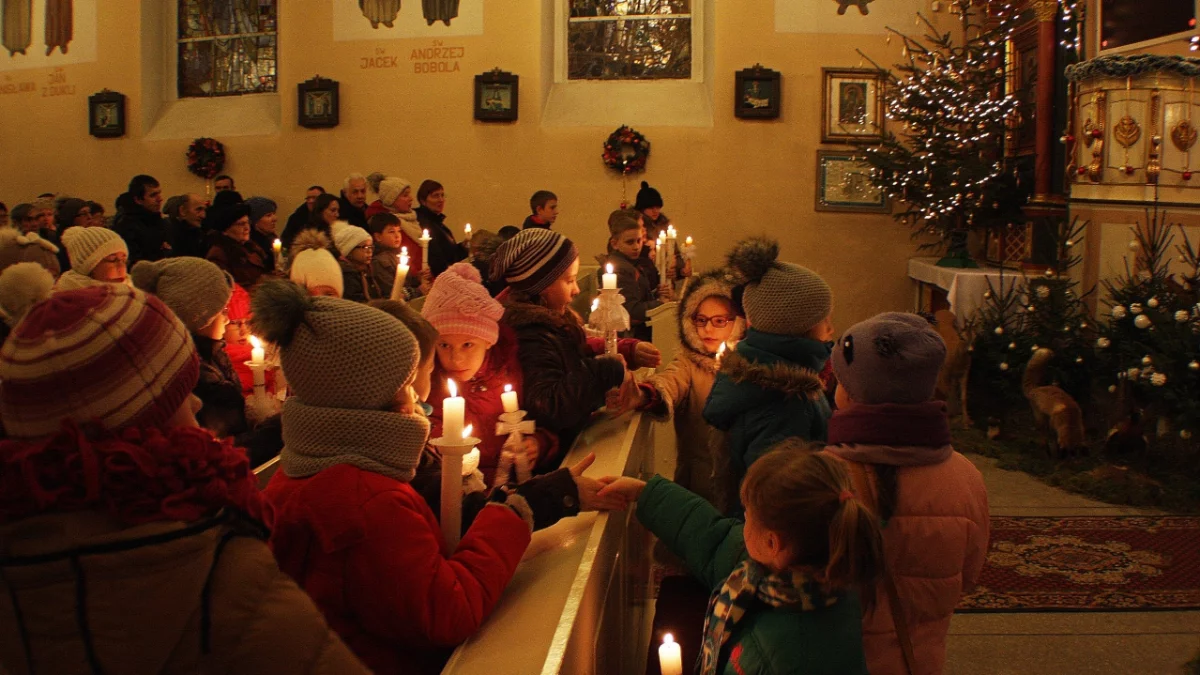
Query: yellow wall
{"type": "Point", "coordinates": [719, 183]}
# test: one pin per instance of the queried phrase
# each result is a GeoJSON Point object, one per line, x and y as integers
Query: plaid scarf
{"type": "Point", "coordinates": [751, 582]}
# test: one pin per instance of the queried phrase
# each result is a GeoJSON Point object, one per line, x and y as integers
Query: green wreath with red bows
{"type": "Point", "coordinates": [206, 157]}
{"type": "Point", "coordinates": [626, 151]}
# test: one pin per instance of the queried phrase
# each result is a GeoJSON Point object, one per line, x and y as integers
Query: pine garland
{"type": "Point", "coordinates": [1133, 66]}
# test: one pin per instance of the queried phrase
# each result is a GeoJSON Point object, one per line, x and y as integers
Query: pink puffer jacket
{"type": "Point", "coordinates": [935, 545]}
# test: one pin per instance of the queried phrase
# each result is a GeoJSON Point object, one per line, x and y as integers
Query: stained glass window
{"type": "Point", "coordinates": [227, 47]}
{"type": "Point", "coordinates": [629, 40]}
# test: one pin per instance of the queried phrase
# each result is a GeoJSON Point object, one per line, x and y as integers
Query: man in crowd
{"type": "Point", "coordinates": [139, 220]}
{"type": "Point", "coordinates": [224, 183]}
{"type": "Point", "coordinates": [25, 218]}
{"type": "Point", "coordinates": [352, 205]}
{"type": "Point", "coordinates": [185, 213]}
{"type": "Point", "coordinates": [300, 216]}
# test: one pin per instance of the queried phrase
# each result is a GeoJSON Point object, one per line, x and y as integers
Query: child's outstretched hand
{"type": "Point", "coordinates": [532, 449]}
{"type": "Point", "coordinates": [426, 281]}
{"type": "Point", "coordinates": [665, 294]}
{"type": "Point", "coordinates": [590, 488]}
{"type": "Point", "coordinates": [646, 355]}
{"type": "Point", "coordinates": [631, 396]}
{"type": "Point", "coordinates": [629, 489]}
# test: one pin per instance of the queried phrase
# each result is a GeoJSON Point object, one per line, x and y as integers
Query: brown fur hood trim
{"type": "Point", "coordinates": [713, 283]}
{"type": "Point", "coordinates": [783, 377]}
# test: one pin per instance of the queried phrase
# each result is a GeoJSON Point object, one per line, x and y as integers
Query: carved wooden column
{"type": "Point", "coordinates": [1045, 11]}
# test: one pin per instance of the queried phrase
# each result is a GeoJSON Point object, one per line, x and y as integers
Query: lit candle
{"type": "Point", "coordinates": [610, 279]}
{"type": "Point", "coordinates": [258, 355]}
{"type": "Point", "coordinates": [402, 268]}
{"type": "Point", "coordinates": [467, 230]}
{"type": "Point", "coordinates": [595, 304]}
{"type": "Point", "coordinates": [470, 461]}
{"type": "Point", "coordinates": [278, 246]}
{"type": "Point", "coordinates": [687, 242]}
{"type": "Point", "coordinates": [453, 409]}
{"type": "Point", "coordinates": [720, 353]}
{"type": "Point", "coordinates": [670, 657]}
{"type": "Point", "coordinates": [509, 399]}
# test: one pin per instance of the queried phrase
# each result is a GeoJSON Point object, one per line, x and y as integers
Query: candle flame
{"type": "Point", "coordinates": [688, 241]}
{"type": "Point", "coordinates": [452, 388]}
{"type": "Point", "coordinates": [668, 638]}
{"type": "Point", "coordinates": [720, 352]}
{"type": "Point", "coordinates": [507, 388]}
{"type": "Point", "coordinates": [424, 234]}
{"type": "Point", "coordinates": [468, 228]}
{"type": "Point", "coordinates": [608, 268]}
{"type": "Point", "coordinates": [468, 430]}
{"type": "Point", "coordinates": [403, 250]}
{"type": "Point", "coordinates": [255, 342]}
{"type": "Point", "coordinates": [595, 304]}
{"type": "Point", "coordinates": [278, 243]}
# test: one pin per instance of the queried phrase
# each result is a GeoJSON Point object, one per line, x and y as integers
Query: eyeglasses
{"type": "Point", "coordinates": [700, 321]}
{"type": "Point", "coordinates": [115, 259]}
{"type": "Point", "coordinates": [364, 247]}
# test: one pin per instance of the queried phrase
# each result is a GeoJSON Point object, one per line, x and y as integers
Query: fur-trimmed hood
{"type": "Point", "coordinates": [713, 283]}
{"type": "Point", "coordinates": [781, 376]}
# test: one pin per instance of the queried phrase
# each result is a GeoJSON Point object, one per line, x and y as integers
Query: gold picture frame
{"type": "Point", "coordinates": [852, 105]}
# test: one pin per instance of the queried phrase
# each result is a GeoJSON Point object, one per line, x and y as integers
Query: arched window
{"type": "Point", "coordinates": [629, 40]}
{"type": "Point", "coordinates": [226, 47]}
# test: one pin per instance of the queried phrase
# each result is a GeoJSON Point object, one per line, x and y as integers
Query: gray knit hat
{"type": "Point", "coordinates": [259, 207]}
{"type": "Point", "coordinates": [889, 358]}
{"type": "Point", "coordinates": [329, 349]}
{"type": "Point", "coordinates": [779, 297]}
{"type": "Point", "coordinates": [194, 288]}
{"type": "Point", "coordinates": [532, 260]}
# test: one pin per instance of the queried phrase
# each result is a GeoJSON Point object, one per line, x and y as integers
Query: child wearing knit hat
{"type": "Point", "coordinates": [98, 255]}
{"type": "Point", "coordinates": [313, 266]}
{"type": "Point", "coordinates": [649, 203]}
{"type": "Point", "coordinates": [565, 379]}
{"type": "Point", "coordinates": [104, 465]}
{"type": "Point", "coordinates": [480, 355]}
{"type": "Point", "coordinates": [768, 388]}
{"type": "Point", "coordinates": [347, 516]}
{"type": "Point", "coordinates": [895, 440]}
{"type": "Point", "coordinates": [355, 250]}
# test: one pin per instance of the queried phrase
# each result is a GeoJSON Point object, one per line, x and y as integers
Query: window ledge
{"type": "Point", "coordinates": [651, 103]}
{"type": "Point", "coordinates": [250, 115]}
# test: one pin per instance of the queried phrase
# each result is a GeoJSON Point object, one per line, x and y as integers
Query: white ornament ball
{"type": "Point", "coordinates": [1133, 373]}
{"type": "Point", "coordinates": [1012, 345]}
{"type": "Point", "coordinates": [1134, 245]}
{"type": "Point", "coordinates": [987, 294]}
{"type": "Point", "coordinates": [1031, 308]}
{"type": "Point", "coordinates": [1152, 303]}
{"type": "Point", "coordinates": [1158, 379]}
{"type": "Point", "coordinates": [1194, 365]}
{"type": "Point", "coordinates": [1070, 243]}
{"type": "Point", "coordinates": [1146, 361]}
{"type": "Point", "coordinates": [1043, 292]}
{"type": "Point", "coordinates": [1078, 359]}
{"type": "Point", "coordinates": [1103, 343]}
{"type": "Point", "coordinates": [1185, 434]}
{"type": "Point", "coordinates": [1142, 321]}
{"type": "Point", "coordinates": [1182, 316]}
{"type": "Point", "coordinates": [1135, 308]}
{"type": "Point", "coordinates": [1004, 365]}
{"type": "Point", "coordinates": [1118, 312]}
{"type": "Point", "coordinates": [1034, 348]}
{"type": "Point", "coordinates": [999, 330]}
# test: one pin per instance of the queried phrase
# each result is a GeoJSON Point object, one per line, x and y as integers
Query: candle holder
{"type": "Point", "coordinates": [259, 370]}
{"type": "Point", "coordinates": [277, 249]}
{"type": "Point", "coordinates": [512, 455]}
{"type": "Point", "coordinates": [610, 317]}
{"type": "Point", "coordinates": [424, 242]}
{"type": "Point", "coordinates": [453, 450]}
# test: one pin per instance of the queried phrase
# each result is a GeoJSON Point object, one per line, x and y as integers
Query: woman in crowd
{"type": "Point", "coordinates": [444, 251]}
{"type": "Point", "coordinates": [231, 248]}
{"type": "Point", "coordinates": [324, 214]}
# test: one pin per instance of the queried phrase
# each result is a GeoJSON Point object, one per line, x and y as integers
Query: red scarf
{"type": "Point", "coordinates": [921, 424]}
{"type": "Point", "coordinates": [137, 475]}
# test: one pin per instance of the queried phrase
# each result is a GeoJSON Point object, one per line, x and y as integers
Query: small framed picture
{"type": "Point", "coordinates": [106, 114]}
{"type": "Point", "coordinates": [317, 103]}
{"type": "Point", "coordinates": [757, 93]}
{"type": "Point", "coordinates": [844, 184]}
{"type": "Point", "coordinates": [852, 106]}
{"type": "Point", "coordinates": [496, 96]}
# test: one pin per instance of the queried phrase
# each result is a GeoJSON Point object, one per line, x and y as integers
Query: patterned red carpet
{"type": "Point", "coordinates": [1117, 563]}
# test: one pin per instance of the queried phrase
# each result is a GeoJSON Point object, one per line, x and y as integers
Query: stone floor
{"type": "Point", "coordinates": [1118, 643]}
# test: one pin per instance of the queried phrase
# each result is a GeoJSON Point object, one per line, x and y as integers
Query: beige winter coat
{"type": "Point", "coordinates": [135, 597]}
{"type": "Point", "coordinates": [684, 384]}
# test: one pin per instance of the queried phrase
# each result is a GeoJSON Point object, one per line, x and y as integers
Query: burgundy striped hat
{"type": "Point", "coordinates": [106, 353]}
{"type": "Point", "coordinates": [533, 259]}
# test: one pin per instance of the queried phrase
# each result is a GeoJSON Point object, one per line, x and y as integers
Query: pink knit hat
{"type": "Point", "coordinates": [458, 304]}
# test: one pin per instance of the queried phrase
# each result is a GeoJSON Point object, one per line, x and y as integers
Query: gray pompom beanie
{"type": "Point", "coordinates": [194, 288]}
{"type": "Point", "coordinates": [778, 297]}
{"type": "Point", "coordinates": [890, 358]}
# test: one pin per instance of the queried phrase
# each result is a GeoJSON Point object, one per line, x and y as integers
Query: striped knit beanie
{"type": "Point", "coordinates": [532, 260]}
{"type": "Point", "coordinates": [87, 246]}
{"type": "Point", "coordinates": [107, 353]}
{"type": "Point", "coordinates": [194, 288]}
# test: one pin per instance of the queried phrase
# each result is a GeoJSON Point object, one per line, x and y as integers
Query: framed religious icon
{"type": "Point", "coordinates": [106, 114]}
{"type": "Point", "coordinates": [496, 96]}
{"type": "Point", "coordinates": [757, 93]}
{"type": "Point", "coordinates": [852, 105]}
{"type": "Point", "coordinates": [844, 184]}
{"type": "Point", "coordinates": [317, 101]}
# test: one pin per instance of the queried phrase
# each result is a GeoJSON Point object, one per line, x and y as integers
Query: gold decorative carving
{"type": "Point", "coordinates": [1088, 127]}
{"type": "Point", "coordinates": [1154, 165]}
{"type": "Point", "coordinates": [1184, 135]}
{"type": "Point", "coordinates": [1045, 10]}
{"type": "Point", "coordinates": [1128, 131]}
{"type": "Point", "coordinates": [1095, 170]}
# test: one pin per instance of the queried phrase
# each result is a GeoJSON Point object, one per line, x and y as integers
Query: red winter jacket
{"type": "Point", "coordinates": [415, 259]}
{"type": "Point", "coordinates": [370, 553]}
{"type": "Point", "coordinates": [482, 394]}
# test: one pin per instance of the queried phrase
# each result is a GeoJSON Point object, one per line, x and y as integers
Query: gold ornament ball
{"type": "Point", "coordinates": [1012, 345]}
{"type": "Point", "coordinates": [1185, 434]}
{"type": "Point", "coordinates": [1142, 321]}
{"type": "Point", "coordinates": [1152, 303]}
{"type": "Point", "coordinates": [1004, 366]}
{"type": "Point", "coordinates": [1133, 245]}
{"type": "Point", "coordinates": [1194, 365]}
{"type": "Point", "coordinates": [1146, 361]}
{"type": "Point", "coordinates": [1112, 388]}
{"type": "Point", "coordinates": [999, 330]}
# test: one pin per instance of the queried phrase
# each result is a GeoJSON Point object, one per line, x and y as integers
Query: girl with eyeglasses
{"type": "Point", "coordinates": [707, 320]}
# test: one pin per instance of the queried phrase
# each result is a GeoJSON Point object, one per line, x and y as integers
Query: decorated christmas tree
{"type": "Point", "coordinates": [1150, 347]}
{"type": "Point", "coordinates": [949, 100]}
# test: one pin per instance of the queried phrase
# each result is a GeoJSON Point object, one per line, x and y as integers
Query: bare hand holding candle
{"type": "Point", "coordinates": [454, 445]}
{"type": "Point", "coordinates": [277, 247]}
{"type": "Point", "coordinates": [512, 456]}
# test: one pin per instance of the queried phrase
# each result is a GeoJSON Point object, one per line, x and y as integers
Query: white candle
{"type": "Point", "coordinates": [687, 242]}
{"type": "Point", "coordinates": [402, 268]}
{"type": "Point", "coordinates": [278, 246]}
{"type": "Point", "coordinates": [467, 230]}
{"type": "Point", "coordinates": [610, 279]}
{"type": "Point", "coordinates": [471, 459]}
{"type": "Point", "coordinates": [509, 399]}
{"type": "Point", "coordinates": [595, 304]}
{"type": "Point", "coordinates": [453, 409]}
{"type": "Point", "coordinates": [258, 355]}
{"type": "Point", "coordinates": [670, 657]}
{"type": "Point", "coordinates": [670, 241]}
